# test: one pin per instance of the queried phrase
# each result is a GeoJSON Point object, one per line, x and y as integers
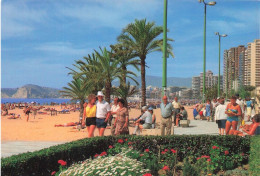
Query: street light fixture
{"type": "Point", "coordinates": [219, 42]}
{"type": "Point", "coordinates": [211, 3]}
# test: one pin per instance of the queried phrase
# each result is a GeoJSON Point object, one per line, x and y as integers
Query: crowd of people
{"type": "Point", "coordinates": [229, 116]}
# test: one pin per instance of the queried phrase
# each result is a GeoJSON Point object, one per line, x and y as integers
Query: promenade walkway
{"type": "Point", "coordinates": [15, 147]}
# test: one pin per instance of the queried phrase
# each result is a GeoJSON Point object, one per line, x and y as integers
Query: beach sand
{"type": "Point", "coordinates": [42, 127]}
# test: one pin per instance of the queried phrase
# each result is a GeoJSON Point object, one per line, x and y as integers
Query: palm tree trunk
{"type": "Point", "coordinates": [81, 109]}
{"type": "Point", "coordinates": [143, 80]}
{"type": "Point", "coordinates": [108, 91]}
{"type": "Point", "coordinates": [124, 75]}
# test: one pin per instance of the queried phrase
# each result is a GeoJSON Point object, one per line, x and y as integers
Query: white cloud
{"type": "Point", "coordinates": [18, 19]}
{"type": "Point", "coordinates": [63, 48]}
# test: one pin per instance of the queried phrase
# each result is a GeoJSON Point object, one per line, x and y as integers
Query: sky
{"type": "Point", "coordinates": [40, 38]}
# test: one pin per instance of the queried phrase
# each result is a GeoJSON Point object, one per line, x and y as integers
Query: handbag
{"type": "Point", "coordinates": [142, 122]}
{"type": "Point", "coordinates": [125, 131]}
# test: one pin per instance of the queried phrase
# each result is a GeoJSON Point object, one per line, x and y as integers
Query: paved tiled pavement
{"type": "Point", "coordinates": [16, 147]}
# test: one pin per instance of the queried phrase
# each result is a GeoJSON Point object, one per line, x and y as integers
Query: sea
{"type": "Point", "coordinates": [42, 101]}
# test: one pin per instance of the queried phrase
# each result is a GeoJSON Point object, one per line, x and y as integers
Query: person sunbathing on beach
{"type": "Point", "coordinates": [252, 129]}
{"type": "Point", "coordinates": [67, 124]}
{"type": "Point", "coordinates": [14, 117]}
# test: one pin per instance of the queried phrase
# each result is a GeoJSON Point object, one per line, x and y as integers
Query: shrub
{"type": "Point", "coordinates": [254, 160]}
{"type": "Point", "coordinates": [44, 162]}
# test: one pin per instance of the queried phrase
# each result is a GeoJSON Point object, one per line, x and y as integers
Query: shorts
{"type": "Point", "coordinates": [101, 123]}
{"type": "Point", "coordinates": [222, 123]}
{"type": "Point", "coordinates": [90, 121]}
{"type": "Point", "coordinates": [249, 111]}
{"type": "Point", "coordinates": [231, 119]}
{"type": "Point", "coordinates": [147, 126]}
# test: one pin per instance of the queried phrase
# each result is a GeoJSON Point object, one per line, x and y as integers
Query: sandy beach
{"type": "Point", "coordinates": [42, 127]}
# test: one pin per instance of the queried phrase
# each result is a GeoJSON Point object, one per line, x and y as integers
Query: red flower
{"type": "Point", "coordinates": [96, 155]}
{"type": "Point", "coordinates": [165, 168]}
{"type": "Point", "coordinates": [215, 147]}
{"type": "Point", "coordinates": [226, 152]}
{"type": "Point", "coordinates": [130, 143]}
{"type": "Point", "coordinates": [110, 146]}
{"type": "Point", "coordinates": [103, 153]}
{"type": "Point", "coordinates": [188, 148]}
{"type": "Point", "coordinates": [208, 160]}
{"type": "Point", "coordinates": [146, 150]}
{"type": "Point", "coordinates": [141, 154]}
{"type": "Point", "coordinates": [198, 158]}
{"type": "Point", "coordinates": [125, 139]}
{"type": "Point", "coordinates": [242, 154]}
{"type": "Point", "coordinates": [205, 156]}
{"type": "Point", "coordinates": [163, 152]}
{"type": "Point", "coordinates": [120, 141]}
{"type": "Point", "coordinates": [63, 163]}
{"type": "Point", "coordinates": [166, 150]}
{"type": "Point", "coordinates": [53, 173]}
{"type": "Point", "coordinates": [147, 174]}
{"type": "Point", "coordinates": [173, 151]}
{"type": "Point", "coordinates": [130, 146]}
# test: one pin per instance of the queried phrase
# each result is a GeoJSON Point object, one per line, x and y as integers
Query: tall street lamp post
{"type": "Point", "coordinates": [164, 78]}
{"type": "Point", "coordinates": [212, 3]}
{"type": "Point", "coordinates": [219, 44]}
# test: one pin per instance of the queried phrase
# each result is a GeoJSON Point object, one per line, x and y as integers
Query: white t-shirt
{"type": "Point", "coordinates": [220, 112]}
{"type": "Point", "coordinates": [114, 108]}
{"type": "Point", "coordinates": [102, 109]}
{"type": "Point", "coordinates": [241, 104]}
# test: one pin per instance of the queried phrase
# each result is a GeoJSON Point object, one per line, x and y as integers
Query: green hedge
{"type": "Point", "coordinates": [254, 160]}
{"type": "Point", "coordinates": [43, 162]}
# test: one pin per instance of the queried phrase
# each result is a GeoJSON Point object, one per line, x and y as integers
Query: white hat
{"type": "Point", "coordinates": [100, 93]}
{"type": "Point", "coordinates": [144, 108]}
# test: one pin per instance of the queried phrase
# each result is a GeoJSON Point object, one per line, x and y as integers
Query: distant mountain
{"type": "Point", "coordinates": [156, 81]}
{"type": "Point", "coordinates": [30, 91]}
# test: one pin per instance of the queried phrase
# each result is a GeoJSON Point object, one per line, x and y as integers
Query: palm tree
{"type": "Point", "coordinates": [125, 90]}
{"type": "Point", "coordinates": [77, 89]}
{"type": "Point", "coordinates": [140, 36]}
{"type": "Point", "coordinates": [126, 58]}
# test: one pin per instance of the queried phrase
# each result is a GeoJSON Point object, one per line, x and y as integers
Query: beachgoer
{"type": "Point", "coordinates": [240, 102]}
{"type": "Point", "coordinates": [137, 123]}
{"type": "Point", "coordinates": [233, 110]}
{"type": "Point", "coordinates": [27, 111]}
{"type": "Point", "coordinates": [103, 113]}
{"type": "Point", "coordinates": [252, 129]}
{"type": "Point", "coordinates": [121, 120]}
{"type": "Point", "coordinates": [114, 109]}
{"type": "Point", "coordinates": [221, 116]}
{"type": "Point", "coordinates": [67, 124]}
{"type": "Point", "coordinates": [14, 117]}
{"type": "Point", "coordinates": [177, 107]}
{"type": "Point", "coordinates": [153, 120]}
{"type": "Point", "coordinates": [89, 115]}
{"type": "Point", "coordinates": [248, 108]}
{"type": "Point", "coordinates": [166, 113]}
{"type": "Point", "coordinates": [208, 109]}
{"type": "Point", "coordinates": [196, 111]}
{"type": "Point", "coordinates": [147, 118]}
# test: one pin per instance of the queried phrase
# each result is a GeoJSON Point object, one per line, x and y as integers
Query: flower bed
{"type": "Point", "coordinates": [44, 162]}
{"type": "Point", "coordinates": [163, 162]}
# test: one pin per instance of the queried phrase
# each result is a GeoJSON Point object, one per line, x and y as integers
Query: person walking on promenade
{"type": "Point", "coordinates": [177, 107]}
{"type": "Point", "coordinates": [208, 109]}
{"type": "Point", "coordinates": [166, 113]}
{"type": "Point", "coordinates": [221, 116]}
{"type": "Point", "coordinates": [122, 116]}
{"type": "Point", "coordinates": [103, 113]}
{"type": "Point", "coordinates": [196, 111]}
{"type": "Point", "coordinates": [215, 103]}
{"type": "Point", "coordinates": [89, 115]}
{"type": "Point", "coordinates": [233, 110]}
{"type": "Point", "coordinates": [248, 104]}
{"type": "Point", "coordinates": [240, 102]}
{"type": "Point", "coordinates": [114, 109]}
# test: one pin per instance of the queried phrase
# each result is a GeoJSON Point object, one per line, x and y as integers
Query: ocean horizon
{"type": "Point", "coordinates": [42, 101]}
